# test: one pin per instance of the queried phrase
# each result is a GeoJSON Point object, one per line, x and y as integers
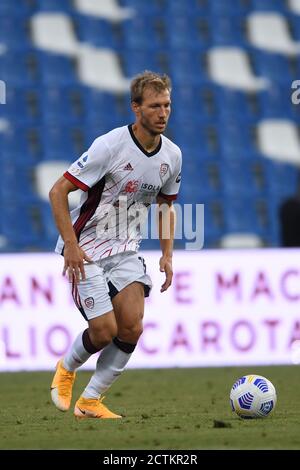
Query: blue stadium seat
{"type": "Point", "coordinates": [20, 68]}
{"type": "Point", "coordinates": [271, 65]}
{"type": "Point", "coordinates": [236, 105]}
{"type": "Point", "coordinates": [235, 136]}
{"type": "Point", "coordinates": [283, 179]}
{"type": "Point", "coordinates": [18, 183]}
{"type": "Point", "coordinates": [63, 104]}
{"type": "Point", "coordinates": [144, 7]}
{"type": "Point", "coordinates": [97, 32]}
{"type": "Point", "coordinates": [22, 228]}
{"type": "Point", "coordinates": [15, 32]}
{"type": "Point", "coordinates": [57, 70]}
{"type": "Point", "coordinates": [201, 177]}
{"type": "Point", "coordinates": [242, 178]}
{"type": "Point", "coordinates": [49, 230]}
{"type": "Point", "coordinates": [63, 142]}
{"type": "Point", "coordinates": [186, 32]}
{"type": "Point", "coordinates": [228, 30]}
{"type": "Point", "coordinates": [199, 101]}
{"type": "Point", "coordinates": [294, 24]}
{"type": "Point", "coordinates": [203, 138]}
{"type": "Point", "coordinates": [20, 8]}
{"type": "Point", "coordinates": [269, 5]}
{"type": "Point", "coordinates": [188, 67]}
{"type": "Point", "coordinates": [247, 214]}
{"type": "Point", "coordinates": [134, 60]}
{"type": "Point", "coordinates": [214, 221]}
{"type": "Point", "coordinates": [22, 105]}
{"type": "Point", "coordinates": [56, 5]}
{"type": "Point", "coordinates": [106, 108]}
{"type": "Point", "coordinates": [139, 29]}
{"type": "Point", "coordinates": [22, 145]}
{"type": "Point", "coordinates": [228, 7]}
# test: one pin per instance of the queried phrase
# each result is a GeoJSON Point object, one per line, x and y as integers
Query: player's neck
{"type": "Point", "coordinates": [148, 142]}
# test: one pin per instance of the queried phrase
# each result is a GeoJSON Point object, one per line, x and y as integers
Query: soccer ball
{"type": "Point", "coordinates": [253, 396]}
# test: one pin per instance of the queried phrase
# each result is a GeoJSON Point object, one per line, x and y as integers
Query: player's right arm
{"type": "Point", "coordinates": [74, 256]}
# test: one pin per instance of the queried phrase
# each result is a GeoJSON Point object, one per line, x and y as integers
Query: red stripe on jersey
{"type": "Point", "coordinates": [89, 207]}
{"type": "Point", "coordinates": [105, 241]}
{"type": "Point", "coordinates": [86, 243]}
{"type": "Point", "coordinates": [75, 181]}
{"type": "Point", "coordinates": [168, 197]}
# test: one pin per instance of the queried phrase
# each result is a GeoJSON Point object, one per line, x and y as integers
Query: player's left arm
{"type": "Point", "coordinates": [166, 229]}
{"type": "Point", "coordinates": [166, 219]}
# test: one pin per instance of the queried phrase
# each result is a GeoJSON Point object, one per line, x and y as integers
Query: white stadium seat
{"type": "Point", "coordinates": [270, 32]}
{"type": "Point", "coordinates": [241, 240]}
{"type": "Point", "coordinates": [96, 67]}
{"type": "Point", "coordinates": [46, 173]}
{"type": "Point", "coordinates": [107, 9]}
{"type": "Point", "coordinates": [54, 32]}
{"type": "Point", "coordinates": [4, 125]}
{"type": "Point", "coordinates": [294, 6]}
{"type": "Point", "coordinates": [230, 66]}
{"type": "Point", "coordinates": [279, 139]}
{"type": "Point", "coordinates": [100, 68]}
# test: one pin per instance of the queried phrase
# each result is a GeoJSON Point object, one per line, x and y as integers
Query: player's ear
{"type": "Point", "coordinates": [135, 107]}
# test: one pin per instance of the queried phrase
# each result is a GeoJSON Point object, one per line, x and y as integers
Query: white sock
{"type": "Point", "coordinates": [77, 355]}
{"type": "Point", "coordinates": [110, 365]}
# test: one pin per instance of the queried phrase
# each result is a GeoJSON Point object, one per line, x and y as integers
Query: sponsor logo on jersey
{"type": "Point", "coordinates": [128, 167]}
{"type": "Point", "coordinates": [150, 187]}
{"type": "Point", "coordinates": [89, 303]}
{"type": "Point", "coordinates": [178, 179]}
{"type": "Point", "coordinates": [131, 186]}
{"type": "Point", "coordinates": [163, 169]}
{"type": "Point", "coordinates": [82, 161]}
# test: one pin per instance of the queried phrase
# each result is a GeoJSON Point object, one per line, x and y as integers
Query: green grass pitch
{"type": "Point", "coordinates": [164, 409]}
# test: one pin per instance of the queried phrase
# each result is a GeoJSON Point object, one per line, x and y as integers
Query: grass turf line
{"type": "Point", "coordinates": [164, 409]}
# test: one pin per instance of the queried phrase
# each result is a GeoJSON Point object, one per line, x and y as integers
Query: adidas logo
{"type": "Point", "coordinates": [128, 167]}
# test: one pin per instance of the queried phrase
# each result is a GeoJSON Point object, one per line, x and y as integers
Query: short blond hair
{"type": "Point", "coordinates": [159, 82]}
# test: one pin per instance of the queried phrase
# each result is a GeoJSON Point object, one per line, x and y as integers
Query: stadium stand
{"type": "Point", "coordinates": [67, 67]}
{"type": "Point", "coordinates": [270, 32]}
{"type": "Point", "coordinates": [279, 139]}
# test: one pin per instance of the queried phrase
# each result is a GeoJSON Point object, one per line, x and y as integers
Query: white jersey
{"type": "Point", "coordinates": [117, 170]}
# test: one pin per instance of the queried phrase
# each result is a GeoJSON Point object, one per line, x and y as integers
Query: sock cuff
{"type": "Point", "coordinates": [125, 347]}
{"type": "Point", "coordinates": [87, 344]}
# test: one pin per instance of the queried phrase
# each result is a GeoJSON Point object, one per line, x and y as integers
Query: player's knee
{"type": "Point", "coordinates": [131, 333]}
{"type": "Point", "coordinates": [101, 337]}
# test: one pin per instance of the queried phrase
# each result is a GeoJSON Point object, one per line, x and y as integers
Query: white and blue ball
{"type": "Point", "coordinates": [253, 396]}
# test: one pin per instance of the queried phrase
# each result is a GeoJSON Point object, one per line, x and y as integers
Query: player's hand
{"type": "Point", "coordinates": [74, 258]}
{"type": "Point", "coordinates": [165, 266]}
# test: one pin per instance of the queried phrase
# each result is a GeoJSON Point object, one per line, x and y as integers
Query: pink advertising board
{"type": "Point", "coordinates": [224, 308]}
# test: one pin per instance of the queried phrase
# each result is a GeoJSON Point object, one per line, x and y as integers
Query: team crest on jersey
{"type": "Point", "coordinates": [131, 186]}
{"type": "Point", "coordinates": [163, 169]}
{"type": "Point", "coordinates": [89, 303]}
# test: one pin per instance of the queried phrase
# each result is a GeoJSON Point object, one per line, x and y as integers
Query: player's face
{"type": "Point", "coordinates": [154, 111]}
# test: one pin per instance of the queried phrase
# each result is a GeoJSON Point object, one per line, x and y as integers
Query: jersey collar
{"type": "Point", "coordinates": [137, 143]}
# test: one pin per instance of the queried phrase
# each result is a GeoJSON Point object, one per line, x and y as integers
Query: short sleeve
{"type": "Point", "coordinates": [91, 167]}
{"type": "Point", "coordinates": [171, 187]}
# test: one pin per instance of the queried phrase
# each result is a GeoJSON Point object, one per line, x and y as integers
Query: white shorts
{"type": "Point", "coordinates": [105, 279]}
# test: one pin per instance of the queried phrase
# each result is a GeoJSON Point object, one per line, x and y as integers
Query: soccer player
{"type": "Point", "coordinates": [132, 167]}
